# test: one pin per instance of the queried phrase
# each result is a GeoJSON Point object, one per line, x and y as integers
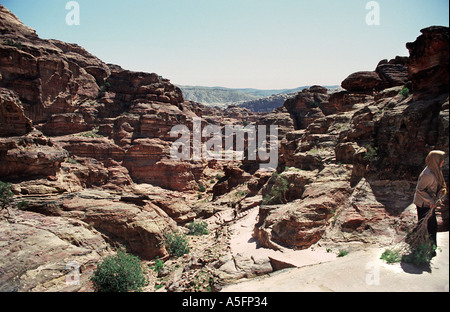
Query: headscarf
{"type": "Point", "coordinates": [433, 161]}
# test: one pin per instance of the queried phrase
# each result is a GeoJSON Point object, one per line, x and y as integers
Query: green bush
{"type": "Point", "coordinates": [342, 253]}
{"type": "Point", "coordinates": [119, 273]}
{"type": "Point", "coordinates": [371, 154]}
{"type": "Point", "coordinates": [277, 193]}
{"type": "Point", "coordinates": [201, 188]}
{"type": "Point", "coordinates": [420, 255]}
{"type": "Point", "coordinates": [6, 195]}
{"type": "Point", "coordinates": [198, 228]}
{"type": "Point", "coordinates": [13, 43]}
{"type": "Point", "coordinates": [91, 134]}
{"type": "Point", "coordinates": [159, 265]}
{"type": "Point", "coordinates": [405, 92]}
{"type": "Point", "coordinates": [177, 244]}
{"type": "Point", "coordinates": [391, 256]}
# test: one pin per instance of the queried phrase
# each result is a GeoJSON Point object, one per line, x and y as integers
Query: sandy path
{"type": "Point", "coordinates": [361, 271]}
{"type": "Point", "coordinates": [243, 243]}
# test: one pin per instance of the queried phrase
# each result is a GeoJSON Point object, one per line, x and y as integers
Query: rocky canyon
{"type": "Point", "coordinates": [85, 147]}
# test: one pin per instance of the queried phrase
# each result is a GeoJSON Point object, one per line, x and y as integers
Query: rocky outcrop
{"type": "Point", "coordinates": [28, 156]}
{"type": "Point", "coordinates": [358, 167]}
{"type": "Point", "coordinates": [428, 64]}
{"type": "Point", "coordinates": [307, 106]}
{"type": "Point", "coordinates": [13, 122]}
{"type": "Point", "coordinates": [394, 72]}
{"type": "Point", "coordinates": [387, 74]}
{"type": "Point", "coordinates": [40, 253]}
{"type": "Point", "coordinates": [362, 81]}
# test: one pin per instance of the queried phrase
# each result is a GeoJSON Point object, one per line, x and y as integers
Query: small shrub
{"type": "Point", "coordinates": [391, 256]}
{"type": "Point", "coordinates": [159, 265]}
{"type": "Point", "coordinates": [201, 188]}
{"type": "Point", "coordinates": [198, 228]}
{"type": "Point", "coordinates": [22, 205]}
{"type": "Point", "coordinates": [91, 134]}
{"type": "Point", "coordinates": [342, 253]}
{"type": "Point", "coordinates": [371, 154]}
{"type": "Point", "coordinates": [119, 273]}
{"type": "Point", "coordinates": [13, 43]}
{"type": "Point", "coordinates": [6, 195]}
{"type": "Point", "coordinates": [405, 92]}
{"type": "Point", "coordinates": [177, 244]}
{"type": "Point", "coordinates": [420, 255]}
{"type": "Point", "coordinates": [105, 88]}
{"type": "Point", "coordinates": [72, 161]}
{"type": "Point", "coordinates": [277, 193]}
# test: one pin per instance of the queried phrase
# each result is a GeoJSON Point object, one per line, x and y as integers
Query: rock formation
{"type": "Point", "coordinates": [359, 166]}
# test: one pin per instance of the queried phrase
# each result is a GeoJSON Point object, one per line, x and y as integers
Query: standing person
{"type": "Point", "coordinates": [429, 186]}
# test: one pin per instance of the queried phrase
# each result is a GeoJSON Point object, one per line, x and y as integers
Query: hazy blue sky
{"type": "Point", "coordinates": [238, 43]}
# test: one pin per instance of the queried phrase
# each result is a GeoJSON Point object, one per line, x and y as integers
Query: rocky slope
{"type": "Point", "coordinates": [352, 164]}
{"type": "Point", "coordinates": [86, 148]}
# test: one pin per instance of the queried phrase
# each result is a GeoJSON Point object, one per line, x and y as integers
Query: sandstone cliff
{"type": "Point", "coordinates": [352, 164]}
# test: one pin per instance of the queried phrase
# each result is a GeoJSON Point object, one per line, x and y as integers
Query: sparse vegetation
{"type": "Point", "coordinates": [13, 43]}
{"type": "Point", "coordinates": [316, 151]}
{"type": "Point", "coordinates": [198, 228]}
{"type": "Point", "coordinates": [420, 255]}
{"type": "Point", "coordinates": [342, 253]}
{"type": "Point", "coordinates": [177, 244]}
{"type": "Point", "coordinates": [201, 188]}
{"type": "Point", "coordinates": [277, 193]}
{"type": "Point", "coordinates": [159, 265]}
{"type": "Point", "coordinates": [391, 256]}
{"type": "Point", "coordinates": [103, 89]}
{"type": "Point", "coordinates": [119, 273]}
{"type": "Point", "coordinates": [371, 153]}
{"type": "Point", "coordinates": [91, 134]}
{"type": "Point", "coordinates": [405, 92]}
{"type": "Point", "coordinates": [72, 161]}
{"type": "Point", "coordinates": [6, 196]}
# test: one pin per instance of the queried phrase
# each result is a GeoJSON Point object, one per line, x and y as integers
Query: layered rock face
{"type": "Point", "coordinates": [61, 89]}
{"type": "Point", "coordinates": [12, 115]}
{"type": "Point", "coordinates": [70, 123]}
{"type": "Point", "coordinates": [354, 171]}
{"type": "Point", "coordinates": [428, 64]}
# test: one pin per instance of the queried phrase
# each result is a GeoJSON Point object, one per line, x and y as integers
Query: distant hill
{"type": "Point", "coordinates": [256, 100]}
{"type": "Point", "coordinates": [216, 96]}
{"type": "Point", "coordinates": [267, 104]}
{"type": "Point", "coordinates": [220, 96]}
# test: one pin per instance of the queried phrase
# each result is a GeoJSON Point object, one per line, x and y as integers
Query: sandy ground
{"type": "Point", "coordinates": [361, 271]}
{"type": "Point", "coordinates": [244, 244]}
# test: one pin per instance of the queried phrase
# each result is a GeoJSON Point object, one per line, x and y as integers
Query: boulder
{"type": "Point", "coordinates": [394, 72]}
{"type": "Point", "coordinates": [362, 81]}
{"type": "Point", "coordinates": [140, 228]}
{"type": "Point", "coordinates": [28, 156]}
{"type": "Point", "coordinates": [40, 253]}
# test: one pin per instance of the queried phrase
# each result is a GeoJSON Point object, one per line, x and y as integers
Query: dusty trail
{"type": "Point", "coordinates": [361, 271]}
{"type": "Point", "coordinates": [243, 244]}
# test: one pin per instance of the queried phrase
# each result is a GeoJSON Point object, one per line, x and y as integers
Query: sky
{"type": "Point", "coordinates": [263, 44]}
